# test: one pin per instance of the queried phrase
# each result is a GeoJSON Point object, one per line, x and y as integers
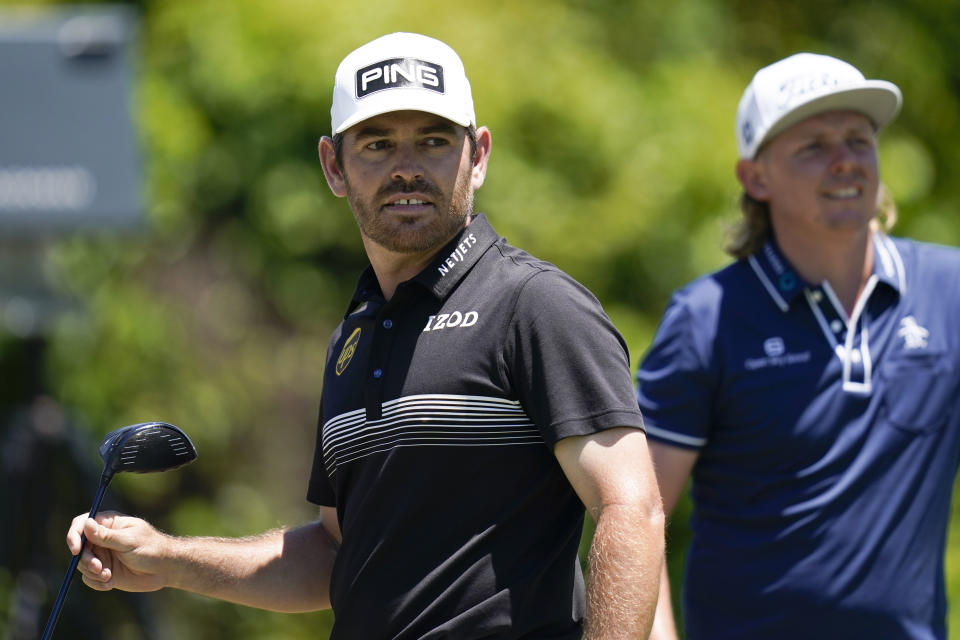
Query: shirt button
{"type": "Point", "coordinates": [855, 356]}
{"type": "Point", "coordinates": [837, 326]}
{"type": "Point", "coordinates": [817, 296]}
{"type": "Point", "coordinates": [388, 323]}
{"type": "Point", "coordinates": [378, 373]}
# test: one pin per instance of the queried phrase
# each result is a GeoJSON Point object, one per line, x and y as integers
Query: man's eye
{"type": "Point", "coordinates": [377, 145]}
{"type": "Point", "coordinates": [436, 142]}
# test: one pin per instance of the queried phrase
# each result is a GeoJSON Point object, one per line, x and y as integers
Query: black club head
{"type": "Point", "coordinates": [145, 447]}
{"type": "Point", "coordinates": [140, 448]}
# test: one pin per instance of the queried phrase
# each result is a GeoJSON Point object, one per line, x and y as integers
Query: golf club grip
{"type": "Point", "coordinates": [62, 595]}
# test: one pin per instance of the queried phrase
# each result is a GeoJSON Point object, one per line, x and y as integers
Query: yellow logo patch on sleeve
{"type": "Point", "coordinates": [349, 348]}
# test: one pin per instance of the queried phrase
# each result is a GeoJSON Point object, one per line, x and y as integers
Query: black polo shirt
{"type": "Point", "coordinates": [439, 413]}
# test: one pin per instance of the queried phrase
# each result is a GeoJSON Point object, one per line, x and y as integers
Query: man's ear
{"type": "Point", "coordinates": [331, 168]}
{"type": "Point", "coordinates": [484, 146]}
{"type": "Point", "coordinates": [751, 175]}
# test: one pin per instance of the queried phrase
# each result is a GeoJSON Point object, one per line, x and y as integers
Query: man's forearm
{"type": "Point", "coordinates": [624, 572]}
{"type": "Point", "coordinates": [281, 570]}
{"type": "Point", "coordinates": [664, 626]}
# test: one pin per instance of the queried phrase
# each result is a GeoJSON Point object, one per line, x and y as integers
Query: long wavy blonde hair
{"type": "Point", "coordinates": [749, 233]}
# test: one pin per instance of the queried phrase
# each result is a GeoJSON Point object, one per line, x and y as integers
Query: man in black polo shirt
{"type": "Point", "coordinates": [475, 399]}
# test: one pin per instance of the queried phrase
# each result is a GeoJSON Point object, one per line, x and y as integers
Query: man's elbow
{"type": "Point", "coordinates": [650, 516]}
{"type": "Point", "coordinates": [642, 514]}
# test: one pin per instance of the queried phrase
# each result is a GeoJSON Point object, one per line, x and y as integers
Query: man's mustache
{"type": "Point", "coordinates": [418, 185]}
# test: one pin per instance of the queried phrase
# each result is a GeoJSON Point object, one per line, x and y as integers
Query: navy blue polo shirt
{"type": "Point", "coordinates": [439, 413]}
{"type": "Point", "coordinates": [828, 444]}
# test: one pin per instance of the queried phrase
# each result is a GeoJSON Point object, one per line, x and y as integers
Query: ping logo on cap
{"type": "Point", "coordinates": [399, 72]}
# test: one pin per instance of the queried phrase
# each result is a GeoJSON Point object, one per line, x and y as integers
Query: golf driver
{"type": "Point", "coordinates": [138, 448]}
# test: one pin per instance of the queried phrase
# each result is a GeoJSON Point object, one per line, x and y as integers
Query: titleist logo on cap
{"type": "Point", "coordinates": [802, 85]}
{"type": "Point", "coordinates": [399, 72]}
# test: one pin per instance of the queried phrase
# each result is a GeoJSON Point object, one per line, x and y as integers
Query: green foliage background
{"type": "Point", "coordinates": [613, 157]}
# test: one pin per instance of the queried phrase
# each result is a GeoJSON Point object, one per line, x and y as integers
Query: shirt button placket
{"type": "Point", "coordinates": [379, 349]}
{"type": "Point", "coordinates": [383, 338]}
{"type": "Point", "coordinates": [386, 341]}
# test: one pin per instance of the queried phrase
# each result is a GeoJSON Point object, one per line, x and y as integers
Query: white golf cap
{"type": "Point", "coordinates": [803, 85]}
{"type": "Point", "coordinates": [397, 72]}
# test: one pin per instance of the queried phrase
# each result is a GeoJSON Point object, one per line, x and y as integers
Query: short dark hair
{"type": "Point", "coordinates": [338, 145]}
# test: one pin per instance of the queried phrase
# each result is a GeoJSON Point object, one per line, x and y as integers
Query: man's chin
{"type": "Point", "coordinates": [412, 238]}
{"type": "Point", "coordinates": [848, 220]}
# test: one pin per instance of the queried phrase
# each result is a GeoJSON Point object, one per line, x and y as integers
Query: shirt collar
{"type": "Point", "coordinates": [784, 284]}
{"type": "Point", "coordinates": [443, 273]}
{"type": "Point", "coordinates": [367, 290]}
{"type": "Point", "coordinates": [887, 263]}
{"type": "Point", "coordinates": [456, 259]}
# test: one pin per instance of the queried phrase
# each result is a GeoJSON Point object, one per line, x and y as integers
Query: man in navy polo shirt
{"type": "Point", "coordinates": [475, 399]}
{"type": "Point", "coordinates": [811, 389]}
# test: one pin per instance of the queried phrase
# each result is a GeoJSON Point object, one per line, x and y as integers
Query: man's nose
{"type": "Point", "coordinates": [407, 165]}
{"type": "Point", "coordinates": [843, 159]}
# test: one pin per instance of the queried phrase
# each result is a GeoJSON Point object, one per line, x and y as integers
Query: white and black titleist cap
{"type": "Point", "coordinates": [805, 84]}
{"type": "Point", "coordinates": [397, 72]}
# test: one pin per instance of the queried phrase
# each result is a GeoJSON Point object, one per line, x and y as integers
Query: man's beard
{"type": "Point", "coordinates": [401, 235]}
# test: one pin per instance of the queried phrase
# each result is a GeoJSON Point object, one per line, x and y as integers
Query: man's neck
{"type": "Point", "coordinates": [392, 268]}
{"type": "Point", "coordinates": [844, 260]}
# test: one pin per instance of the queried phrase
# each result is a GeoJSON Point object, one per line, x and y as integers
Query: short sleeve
{"type": "Point", "coordinates": [567, 362]}
{"type": "Point", "coordinates": [675, 388]}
